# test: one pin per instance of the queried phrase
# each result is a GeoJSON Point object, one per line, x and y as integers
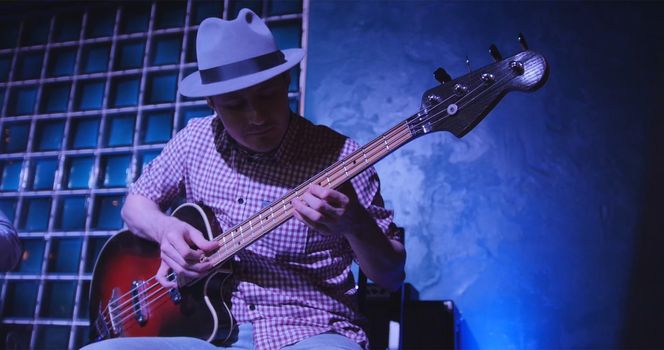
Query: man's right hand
{"type": "Point", "coordinates": [182, 247]}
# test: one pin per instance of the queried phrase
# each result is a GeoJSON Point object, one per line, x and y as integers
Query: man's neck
{"type": "Point", "coordinates": [256, 154]}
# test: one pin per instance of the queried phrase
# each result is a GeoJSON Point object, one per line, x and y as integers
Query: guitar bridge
{"type": "Point", "coordinates": [101, 326]}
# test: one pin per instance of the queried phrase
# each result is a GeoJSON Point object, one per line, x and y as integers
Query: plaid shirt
{"type": "Point", "coordinates": [294, 282]}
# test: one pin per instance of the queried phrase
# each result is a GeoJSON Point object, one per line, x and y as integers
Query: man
{"type": "Point", "coordinates": [10, 245]}
{"type": "Point", "coordinates": [293, 288]}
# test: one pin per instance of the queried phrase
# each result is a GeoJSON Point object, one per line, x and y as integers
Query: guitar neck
{"type": "Point", "coordinates": [279, 211]}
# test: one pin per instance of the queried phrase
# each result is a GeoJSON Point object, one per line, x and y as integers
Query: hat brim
{"type": "Point", "coordinates": [191, 86]}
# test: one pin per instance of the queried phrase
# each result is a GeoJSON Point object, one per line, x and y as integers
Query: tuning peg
{"type": "Point", "coordinates": [493, 50]}
{"type": "Point", "coordinates": [522, 41]}
{"type": "Point", "coordinates": [441, 75]}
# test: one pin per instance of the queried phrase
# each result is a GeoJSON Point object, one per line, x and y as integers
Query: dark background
{"type": "Point", "coordinates": [544, 224]}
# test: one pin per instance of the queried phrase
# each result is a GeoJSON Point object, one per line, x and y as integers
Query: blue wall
{"type": "Point", "coordinates": [541, 223]}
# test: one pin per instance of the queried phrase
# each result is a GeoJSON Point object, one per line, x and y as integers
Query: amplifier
{"type": "Point", "coordinates": [430, 325]}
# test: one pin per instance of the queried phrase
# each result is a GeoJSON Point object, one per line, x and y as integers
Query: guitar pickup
{"type": "Point", "coordinates": [138, 302]}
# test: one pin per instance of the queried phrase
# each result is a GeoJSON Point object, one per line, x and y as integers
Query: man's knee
{"type": "Point", "coordinates": [326, 341]}
{"type": "Point", "coordinates": [110, 344]}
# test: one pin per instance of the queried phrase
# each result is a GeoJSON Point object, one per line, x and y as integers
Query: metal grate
{"type": "Point", "coordinates": [88, 97]}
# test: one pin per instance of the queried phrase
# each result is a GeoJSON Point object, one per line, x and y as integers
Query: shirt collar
{"type": "Point", "coordinates": [284, 153]}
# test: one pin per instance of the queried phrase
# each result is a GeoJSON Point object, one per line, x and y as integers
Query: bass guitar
{"type": "Point", "coordinates": [126, 299]}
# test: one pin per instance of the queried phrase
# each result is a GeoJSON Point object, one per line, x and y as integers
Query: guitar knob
{"type": "Point", "coordinates": [488, 78]}
{"type": "Point", "coordinates": [460, 90]}
{"type": "Point", "coordinates": [441, 75]}
{"type": "Point", "coordinates": [433, 100]}
{"type": "Point", "coordinates": [517, 67]}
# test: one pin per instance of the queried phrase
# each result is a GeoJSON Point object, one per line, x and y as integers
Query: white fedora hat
{"type": "Point", "coordinates": [233, 55]}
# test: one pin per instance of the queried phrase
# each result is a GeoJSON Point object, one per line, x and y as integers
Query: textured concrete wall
{"type": "Point", "coordinates": [532, 223]}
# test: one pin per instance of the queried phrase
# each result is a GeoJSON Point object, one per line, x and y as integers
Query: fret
{"type": "Point", "coordinates": [365, 157]}
{"type": "Point", "coordinates": [345, 170]}
{"type": "Point", "coordinates": [328, 180]}
{"type": "Point", "coordinates": [387, 146]}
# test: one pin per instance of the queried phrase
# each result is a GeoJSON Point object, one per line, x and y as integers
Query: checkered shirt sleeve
{"type": "Point", "coordinates": [163, 178]}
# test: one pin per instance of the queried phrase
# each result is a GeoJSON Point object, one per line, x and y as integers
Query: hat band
{"type": "Point", "coordinates": [241, 68]}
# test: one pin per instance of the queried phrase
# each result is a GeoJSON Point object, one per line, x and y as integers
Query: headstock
{"type": "Point", "coordinates": [459, 105]}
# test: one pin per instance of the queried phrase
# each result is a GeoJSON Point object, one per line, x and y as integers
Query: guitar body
{"type": "Point", "coordinates": [126, 301]}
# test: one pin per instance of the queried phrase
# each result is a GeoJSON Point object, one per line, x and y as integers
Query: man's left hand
{"type": "Point", "coordinates": [329, 211]}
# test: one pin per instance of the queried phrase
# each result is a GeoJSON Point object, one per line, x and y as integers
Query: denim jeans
{"type": "Point", "coordinates": [325, 341]}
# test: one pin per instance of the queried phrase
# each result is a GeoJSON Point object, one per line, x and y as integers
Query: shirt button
{"type": "Point", "coordinates": [240, 200]}
{"type": "Point", "coordinates": [252, 307]}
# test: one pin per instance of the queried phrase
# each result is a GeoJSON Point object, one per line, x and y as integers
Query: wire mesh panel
{"type": "Point", "coordinates": [88, 97]}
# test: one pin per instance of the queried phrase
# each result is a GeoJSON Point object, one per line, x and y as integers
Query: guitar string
{"type": "Point", "coordinates": [275, 216]}
{"type": "Point", "coordinates": [225, 245]}
{"type": "Point", "coordinates": [131, 291]}
{"type": "Point", "coordinates": [337, 174]}
{"type": "Point", "coordinates": [280, 214]}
